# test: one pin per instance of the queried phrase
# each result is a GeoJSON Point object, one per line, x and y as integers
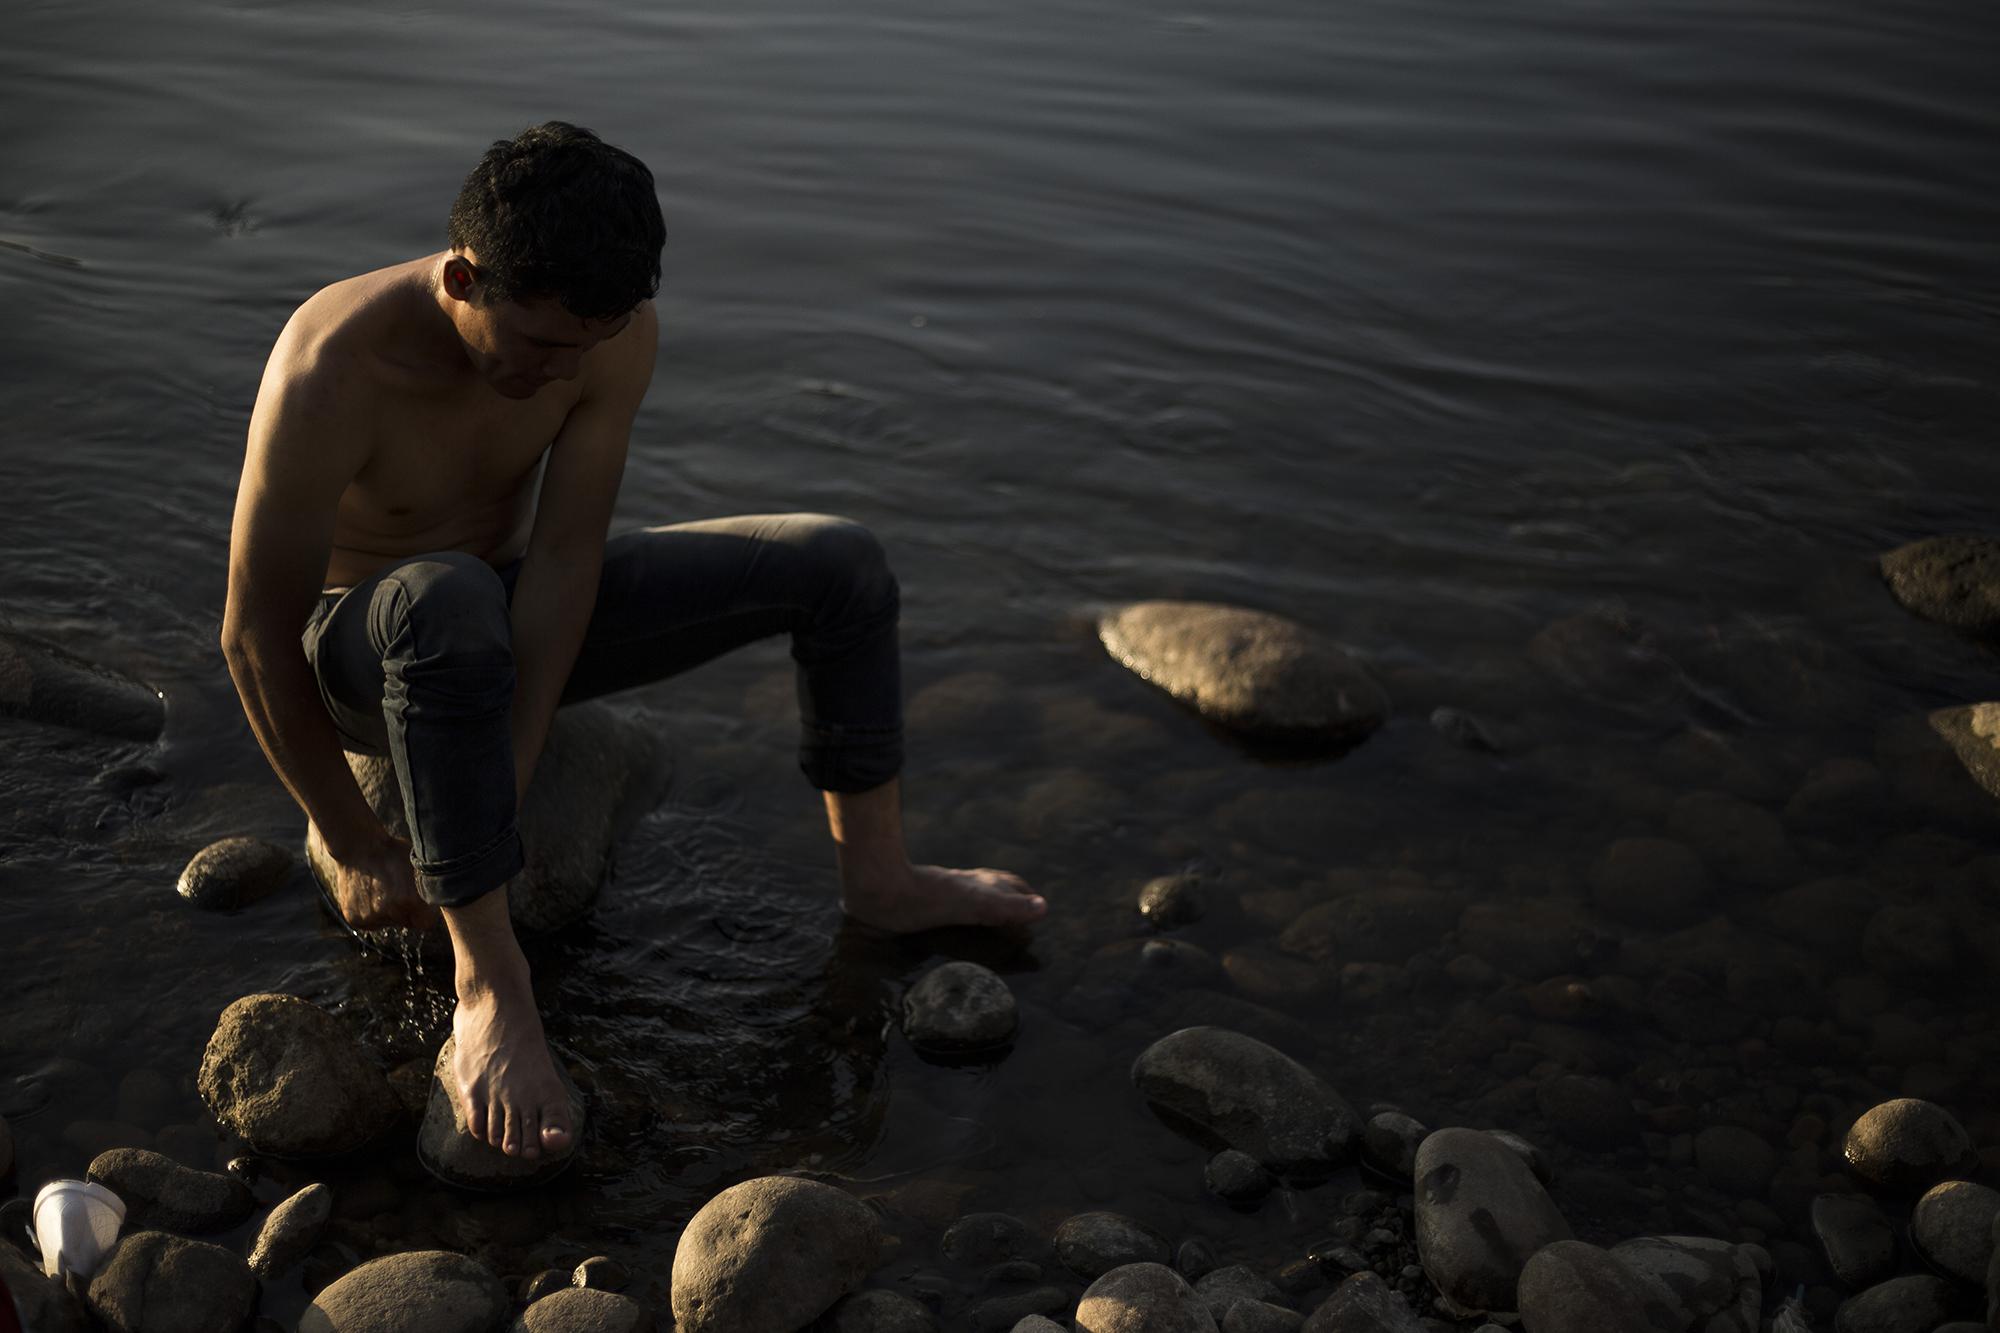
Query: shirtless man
{"type": "Point", "coordinates": [419, 567]}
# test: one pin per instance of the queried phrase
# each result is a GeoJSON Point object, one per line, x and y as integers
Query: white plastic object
{"type": "Point", "coordinates": [76, 1222]}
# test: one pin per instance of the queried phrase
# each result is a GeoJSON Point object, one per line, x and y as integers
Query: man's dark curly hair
{"type": "Point", "coordinates": [557, 212]}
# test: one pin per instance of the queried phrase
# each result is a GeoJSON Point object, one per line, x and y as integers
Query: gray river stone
{"type": "Point", "coordinates": [1092, 1244]}
{"type": "Point", "coordinates": [1654, 882]}
{"type": "Point", "coordinates": [156, 1283]}
{"type": "Point", "coordinates": [1571, 1287]}
{"type": "Point", "coordinates": [1254, 673]}
{"type": "Point", "coordinates": [1142, 1298]}
{"type": "Point", "coordinates": [1952, 1227]}
{"type": "Point", "coordinates": [1857, 1238]}
{"type": "Point", "coordinates": [1389, 1144]}
{"type": "Point", "coordinates": [1916, 1304]}
{"type": "Point", "coordinates": [1707, 1286]}
{"type": "Point", "coordinates": [1251, 1097]}
{"type": "Point", "coordinates": [455, 1157]}
{"type": "Point", "coordinates": [959, 1007]}
{"type": "Point", "coordinates": [1236, 1177]}
{"type": "Point", "coordinates": [601, 1272]}
{"type": "Point", "coordinates": [1908, 1144]}
{"type": "Point", "coordinates": [161, 1193]}
{"type": "Point", "coordinates": [1364, 1303]}
{"type": "Point", "coordinates": [291, 1081]}
{"type": "Point", "coordinates": [421, 1291]}
{"type": "Point", "coordinates": [290, 1231]}
{"type": "Point", "coordinates": [1480, 1215]}
{"type": "Point", "coordinates": [1954, 581]}
{"type": "Point", "coordinates": [771, 1253]}
{"type": "Point", "coordinates": [44, 683]}
{"type": "Point", "coordinates": [233, 873]}
{"type": "Point", "coordinates": [597, 770]}
{"type": "Point", "coordinates": [1225, 1287]}
{"type": "Point", "coordinates": [879, 1312]}
{"type": "Point", "coordinates": [582, 1310]}
{"type": "Point", "coordinates": [1973, 732]}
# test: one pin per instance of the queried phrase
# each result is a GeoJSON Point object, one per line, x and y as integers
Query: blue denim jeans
{"type": "Point", "coordinates": [417, 663]}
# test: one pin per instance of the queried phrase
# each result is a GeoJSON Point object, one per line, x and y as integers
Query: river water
{"type": "Point", "coordinates": [1431, 324]}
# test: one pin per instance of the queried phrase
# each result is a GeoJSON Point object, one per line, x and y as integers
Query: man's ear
{"type": "Point", "coordinates": [461, 278]}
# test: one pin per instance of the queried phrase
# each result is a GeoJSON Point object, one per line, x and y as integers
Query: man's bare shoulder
{"type": "Point", "coordinates": [353, 327]}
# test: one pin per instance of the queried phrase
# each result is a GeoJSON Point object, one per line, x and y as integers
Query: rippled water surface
{"type": "Point", "coordinates": [1431, 324]}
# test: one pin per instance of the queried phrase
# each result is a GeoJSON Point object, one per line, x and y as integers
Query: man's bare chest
{"type": "Point", "coordinates": [426, 462]}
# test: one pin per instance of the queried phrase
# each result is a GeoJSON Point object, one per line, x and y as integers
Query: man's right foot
{"type": "Point", "coordinates": [508, 1088]}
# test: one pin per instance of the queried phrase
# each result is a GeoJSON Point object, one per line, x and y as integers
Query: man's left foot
{"type": "Point", "coordinates": [927, 897]}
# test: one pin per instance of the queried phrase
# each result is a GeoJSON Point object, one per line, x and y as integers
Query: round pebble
{"type": "Point", "coordinates": [959, 1007]}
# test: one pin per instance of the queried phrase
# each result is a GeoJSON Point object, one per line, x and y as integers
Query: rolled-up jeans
{"type": "Point", "coordinates": [417, 662]}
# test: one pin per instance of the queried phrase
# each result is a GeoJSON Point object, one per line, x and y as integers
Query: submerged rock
{"type": "Point", "coordinates": [291, 1230]}
{"type": "Point", "coordinates": [423, 1291]}
{"type": "Point", "coordinates": [595, 771]}
{"type": "Point", "coordinates": [1908, 1144]}
{"type": "Point", "coordinates": [233, 873]}
{"type": "Point", "coordinates": [291, 1081]}
{"type": "Point", "coordinates": [1954, 581]}
{"type": "Point", "coordinates": [44, 683]}
{"type": "Point", "coordinates": [879, 1312]}
{"type": "Point", "coordinates": [161, 1193]}
{"type": "Point", "coordinates": [455, 1157]}
{"type": "Point", "coordinates": [1252, 672]}
{"type": "Point", "coordinates": [1651, 882]}
{"type": "Point", "coordinates": [1172, 901]}
{"type": "Point", "coordinates": [771, 1253]}
{"type": "Point", "coordinates": [1236, 1090]}
{"type": "Point", "coordinates": [1480, 1215]}
{"type": "Point", "coordinates": [582, 1310]}
{"type": "Point", "coordinates": [1142, 1298]}
{"type": "Point", "coordinates": [959, 1008]}
{"type": "Point", "coordinates": [156, 1283]}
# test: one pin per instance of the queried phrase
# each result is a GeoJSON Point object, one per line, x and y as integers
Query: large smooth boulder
{"type": "Point", "coordinates": [958, 1008]}
{"type": "Point", "coordinates": [1570, 1287]}
{"type": "Point", "coordinates": [1242, 1094]}
{"type": "Point", "coordinates": [1954, 581]}
{"type": "Point", "coordinates": [291, 1230]}
{"type": "Point", "coordinates": [771, 1253]}
{"type": "Point", "coordinates": [1952, 1227]}
{"type": "Point", "coordinates": [43, 683]}
{"type": "Point", "coordinates": [233, 873]}
{"type": "Point", "coordinates": [1142, 1298]}
{"type": "Point", "coordinates": [421, 1291]}
{"type": "Point", "coordinates": [595, 772]}
{"type": "Point", "coordinates": [1481, 1215]}
{"type": "Point", "coordinates": [447, 1148]}
{"type": "Point", "coordinates": [1364, 1303]}
{"type": "Point", "coordinates": [1705, 1285]}
{"type": "Point", "coordinates": [156, 1283]}
{"type": "Point", "coordinates": [1254, 673]}
{"type": "Point", "coordinates": [1912, 1304]}
{"type": "Point", "coordinates": [581, 1310]}
{"type": "Point", "coordinates": [290, 1080]}
{"type": "Point", "coordinates": [161, 1193]}
{"type": "Point", "coordinates": [1908, 1144]}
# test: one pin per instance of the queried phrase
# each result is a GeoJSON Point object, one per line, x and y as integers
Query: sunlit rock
{"type": "Point", "coordinates": [1092, 1244]}
{"type": "Point", "coordinates": [1908, 1144]}
{"type": "Point", "coordinates": [771, 1253]}
{"type": "Point", "coordinates": [156, 1283]}
{"type": "Point", "coordinates": [160, 1192]}
{"type": "Point", "coordinates": [1954, 581]}
{"type": "Point", "coordinates": [1142, 1298]}
{"type": "Point", "coordinates": [580, 1310]}
{"type": "Point", "coordinates": [1570, 1287]}
{"type": "Point", "coordinates": [423, 1291]}
{"type": "Point", "coordinates": [291, 1230]}
{"type": "Point", "coordinates": [288, 1078]}
{"type": "Point", "coordinates": [455, 1157]}
{"type": "Point", "coordinates": [1953, 1226]}
{"type": "Point", "coordinates": [233, 873]}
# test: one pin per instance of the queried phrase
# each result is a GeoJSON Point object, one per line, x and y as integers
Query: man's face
{"type": "Point", "coordinates": [523, 346]}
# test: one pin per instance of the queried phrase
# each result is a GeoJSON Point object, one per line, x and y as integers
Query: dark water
{"type": "Point", "coordinates": [1430, 324]}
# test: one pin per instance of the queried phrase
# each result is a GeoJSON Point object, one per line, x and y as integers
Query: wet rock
{"type": "Point", "coordinates": [233, 873]}
{"type": "Point", "coordinates": [1251, 672]}
{"type": "Point", "coordinates": [1092, 1244]}
{"type": "Point", "coordinates": [1480, 1215]}
{"type": "Point", "coordinates": [422, 1291]}
{"type": "Point", "coordinates": [1906, 942]}
{"type": "Point", "coordinates": [1740, 841]}
{"type": "Point", "coordinates": [601, 1273]}
{"type": "Point", "coordinates": [959, 1007]}
{"type": "Point", "coordinates": [1734, 1160]}
{"type": "Point", "coordinates": [1571, 1287]}
{"type": "Point", "coordinates": [1269, 977]}
{"type": "Point", "coordinates": [43, 683]}
{"type": "Point", "coordinates": [1973, 733]}
{"type": "Point", "coordinates": [1173, 901]}
{"type": "Point", "coordinates": [455, 1157]}
{"type": "Point", "coordinates": [1607, 657]}
{"type": "Point", "coordinates": [161, 1193]}
{"type": "Point", "coordinates": [1260, 1317]}
{"type": "Point", "coordinates": [1225, 1287]}
{"type": "Point", "coordinates": [1389, 1144]}
{"type": "Point", "coordinates": [156, 1283]}
{"type": "Point", "coordinates": [1953, 1227]}
{"type": "Point", "coordinates": [1900, 1305]}
{"type": "Point", "coordinates": [1142, 1298]}
{"type": "Point", "coordinates": [1464, 730]}
{"type": "Point", "coordinates": [1709, 1286]}
{"type": "Point", "coordinates": [1908, 1144]}
{"type": "Point", "coordinates": [1954, 581]}
{"type": "Point", "coordinates": [1653, 882]}
{"type": "Point", "coordinates": [1250, 1097]}
{"type": "Point", "coordinates": [1940, 766]}
{"type": "Point", "coordinates": [593, 775]}
{"type": "Point", "coordinates": [1838, 796]}
{"type": "Point", "coordinates": [291, 1081]}
{"type": "Point", "coordinates": [1588, 1111]}
{"type": "Point", "coordinates": [45, 1304]}
{"type": "Point", "coordinates": [1532, 939]}
{"type": "Point", "coordinates": [291, 1230]}
{"type": "Point", "coordinates": [545, 1283]}
{"type": "Point", "coordinates": [997, 1314]}
{"type": "Point", "coordinates": [1374, 926]}
{"type": "Point", "coordinates": [774, 1252]}
{"type": "Point", "coordinates": [1858, 1240]}
{"type": "Point", "coordinates": [1195, 1259]}
{"type": "Point", "coordinates": [879, 1312]}
{"type": "Point", "coordinates": [980, 1240]}
{"type": "Point", "coordinates": [1531, 1156]}
{"type": "Point", "coordinates": [586, 1310]}
{"type": "Point", "coordinates": [1236, 1177]}
{"type": "Point", "coordinates": [1364, 1303]}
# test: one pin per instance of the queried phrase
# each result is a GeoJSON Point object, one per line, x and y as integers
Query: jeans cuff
{"type": "Point", "coordinates": [462, 879]}
{"type": "Point", "coordinates": [850, 759]}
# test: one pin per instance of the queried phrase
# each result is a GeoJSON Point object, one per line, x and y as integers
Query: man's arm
{"type": "Point", "coordinates": [557, 586]}
{"type": "Point", "coordinates": [298, 462]}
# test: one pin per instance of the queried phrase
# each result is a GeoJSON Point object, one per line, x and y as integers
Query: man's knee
{"type": "Point", "coordinates": [850, 558]}
{"type": "Point", "coordinates": [449, 604]}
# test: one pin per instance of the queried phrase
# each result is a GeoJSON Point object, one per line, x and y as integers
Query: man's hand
{"type": "Point", "coordinates": [378, 888]}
